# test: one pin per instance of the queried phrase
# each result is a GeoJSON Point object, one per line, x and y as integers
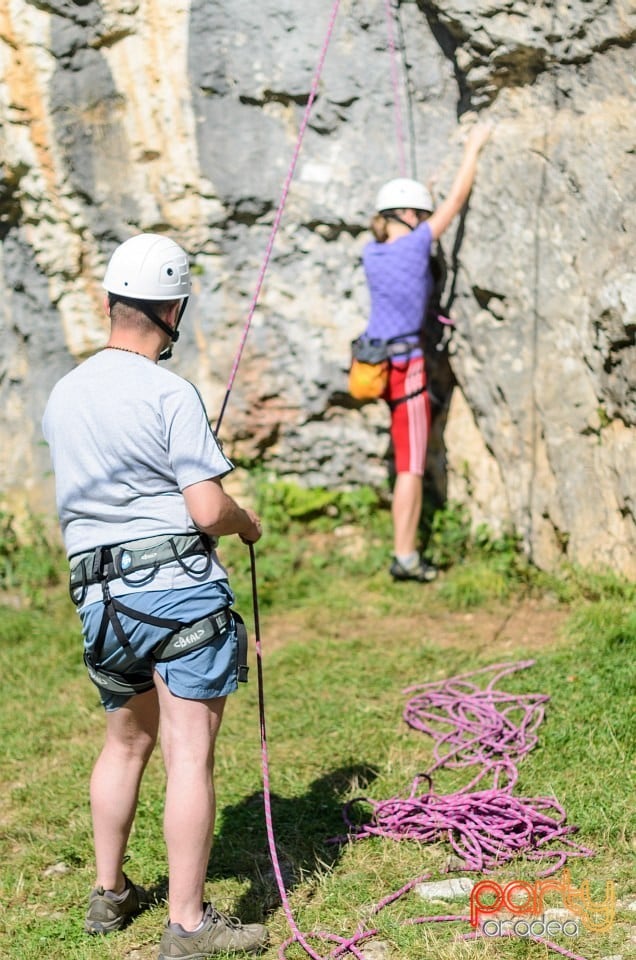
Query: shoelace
{"type": "Point", "coordinates": [211, 913]}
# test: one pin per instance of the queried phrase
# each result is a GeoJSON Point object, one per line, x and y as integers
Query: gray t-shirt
{"type": "Point", "coordinates": [126, 437]}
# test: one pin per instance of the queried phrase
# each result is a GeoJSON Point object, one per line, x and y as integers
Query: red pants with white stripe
{"type": "Point", "coordinates": [410, 418]}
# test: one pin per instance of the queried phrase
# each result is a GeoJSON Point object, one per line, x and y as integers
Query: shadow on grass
{"type": "Point", "coordinates": [302, 827]}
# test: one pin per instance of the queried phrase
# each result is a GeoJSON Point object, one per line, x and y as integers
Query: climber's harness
{"type": "Point", "coordinates": [144, 557]}
{"type": "Point", "coordinates": [409, 396]}
{"type": "Point", "coordinates": [398, 350]}
{"type": "Point", "coordinates": [383, 353]}
{"type": "Point", "coordinates": [137, 562]}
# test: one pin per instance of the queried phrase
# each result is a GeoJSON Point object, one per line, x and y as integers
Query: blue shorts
{"type": "Point", "coordinates": [203, 674]}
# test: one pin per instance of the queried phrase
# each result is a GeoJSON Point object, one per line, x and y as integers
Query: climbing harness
{"type": "Point", "coordinates": [145, 557]}
{"type": "Point", "coordinates": [395, 402]}
{"type": "Point", "coordinates": [407, 396]}
{"type": "Point", "coordinates": [122, 561]}
{"type": "Point", "coordinates": [371, 362]}
{"type": "Point", "coordinates": [183, 639]}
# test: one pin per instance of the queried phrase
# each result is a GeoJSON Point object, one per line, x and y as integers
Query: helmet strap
{"type": "Point", "coordinates": [391, 215]}
{"type": "Point", "coordinates": [174, 333]}
{"type": "Point", "coordinates": [144, 307]}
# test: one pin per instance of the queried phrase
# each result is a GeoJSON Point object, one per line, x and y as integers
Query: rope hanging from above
{"type": "Point", "coordinates": [408, 94]}
{"type": "Point", "coordinates": [281, 206]}
{"type": "Point", "coordinates": [399, 125]}
{"type": "Point", "coordinates": [392, 17]}
{"type": "Point", "coordinates": [400, 136]}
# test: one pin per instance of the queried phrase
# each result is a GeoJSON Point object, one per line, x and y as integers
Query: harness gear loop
{"type": "Point", "coordinates": [121, 561]}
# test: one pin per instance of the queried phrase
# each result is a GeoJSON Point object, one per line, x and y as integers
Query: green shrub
{"type": "Point", "coordinates": [450, 535]}
{"type": "Point", "coordinates": [280, 503]}
{"type": "Point", "coordinates": [29, 561]}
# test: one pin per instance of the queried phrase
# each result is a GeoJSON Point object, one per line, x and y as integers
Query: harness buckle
{"type": "Point", "coordinates": [97, 568]}
{"type": "Point", "coordinates": [102, 565]}
{"type": "Point", "coordinates": [242, 672]}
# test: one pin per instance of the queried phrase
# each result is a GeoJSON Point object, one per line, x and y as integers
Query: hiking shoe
{"type": "Point", "coordinates": [423, 572]}
{"type": "Point", "coordinates": [108, 911]}
{"type": "Point", "coordinates": [219, 934]}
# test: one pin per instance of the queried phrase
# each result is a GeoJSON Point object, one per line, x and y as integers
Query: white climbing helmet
{"type": "Point", "coordinates": [148, 267]}
{"type": "Point", "coordinates": [404, 194]}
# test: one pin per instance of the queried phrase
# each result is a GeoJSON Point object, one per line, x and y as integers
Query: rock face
{"type": "Point", "coordinates": [131, 115]}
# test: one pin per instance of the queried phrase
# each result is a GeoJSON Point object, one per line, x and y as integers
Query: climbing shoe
{"type": "Point", "coordinates": [217, 934]}
{"type": "Point", "coordinates": [108, 911]}
{"type": "Point", "coordinates": [422, 571]}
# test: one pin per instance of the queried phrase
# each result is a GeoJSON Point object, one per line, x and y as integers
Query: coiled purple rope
{"type": "Point", "coordinates": [487, 828]}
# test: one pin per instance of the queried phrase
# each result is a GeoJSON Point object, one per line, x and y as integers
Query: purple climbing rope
{"type": "Point", "coordinates": [491, 730]}
{"type": "Point", "coordinates": [486, 828]}
{"type": "Point", "coordinates": [297, 937]}
{"type": "Point", "coordinates": [281, 206]}
{"type": "Point", "coordinates": [395, 79]}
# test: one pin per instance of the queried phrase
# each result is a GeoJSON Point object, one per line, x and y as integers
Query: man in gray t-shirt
{"type": "Point", "coordinates": [138, 487]}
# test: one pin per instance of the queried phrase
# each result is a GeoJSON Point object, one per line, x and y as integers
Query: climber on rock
{"type": "Point", "coordinates": [400, 282]}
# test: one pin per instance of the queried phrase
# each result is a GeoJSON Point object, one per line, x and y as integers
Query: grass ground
{"type": "Point", "coordinates": [339, 644]}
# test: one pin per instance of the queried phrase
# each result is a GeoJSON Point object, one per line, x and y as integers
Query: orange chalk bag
{"type": "Point", "coordinates": [368, 381]}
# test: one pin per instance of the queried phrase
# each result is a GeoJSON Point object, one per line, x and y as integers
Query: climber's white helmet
{"type": "Point", "coordinates": [148, 267]}
{"type": "Point", "coordinates": [404, 194]}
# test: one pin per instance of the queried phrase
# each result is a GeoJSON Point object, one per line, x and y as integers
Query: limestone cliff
{"type": "Point", "coordinates": [136, 115]}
